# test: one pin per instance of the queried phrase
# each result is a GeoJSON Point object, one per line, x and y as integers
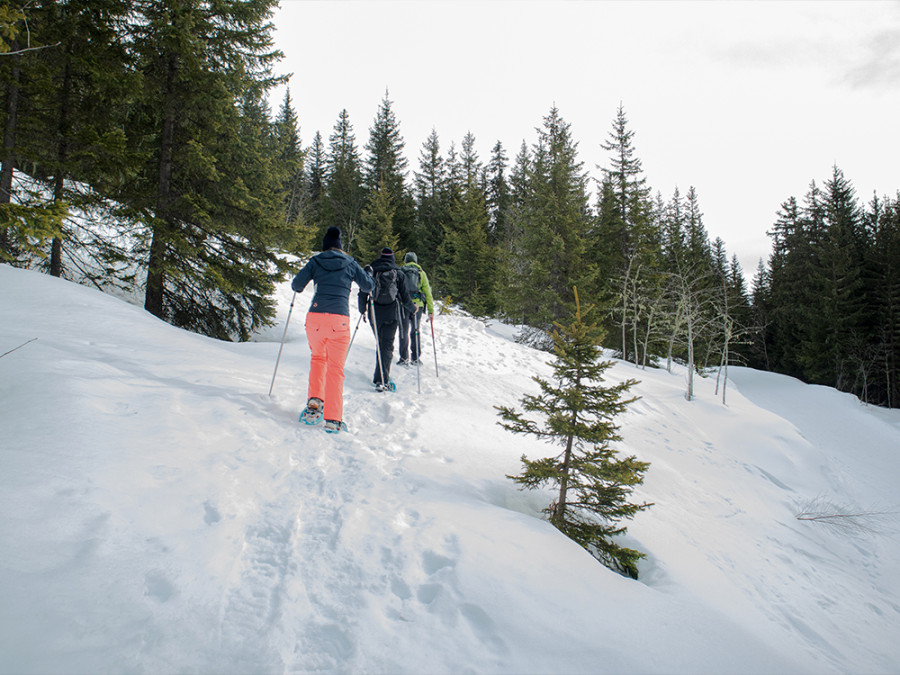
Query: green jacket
{"type": "Point", "coordinates": [424, 289]}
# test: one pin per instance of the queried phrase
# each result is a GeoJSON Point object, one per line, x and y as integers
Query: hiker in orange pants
{"type": "Point", "coordinates": [329, 338]}
{"type": "Point", "coordinates": [328, 328]}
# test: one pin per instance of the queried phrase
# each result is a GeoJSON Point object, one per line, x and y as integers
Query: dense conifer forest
{"type": "Point", "coordinates": [140, 151]}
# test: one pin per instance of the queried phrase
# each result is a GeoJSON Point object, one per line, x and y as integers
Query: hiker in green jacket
{"type": "Point", "coordinates": [417, 283]}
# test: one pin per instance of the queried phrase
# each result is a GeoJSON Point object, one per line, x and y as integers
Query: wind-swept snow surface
{"type": "Point", "coordinates": [161, 513]}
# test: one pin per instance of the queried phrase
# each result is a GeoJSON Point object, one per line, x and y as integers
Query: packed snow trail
{"type": "Point", "coordinates": [162, 513]}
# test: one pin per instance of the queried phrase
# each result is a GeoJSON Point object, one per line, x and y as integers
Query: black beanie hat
{"type": "Point", "coordinates": [332, 239]}
{"type": "Point", "coordinates": [386, 252]}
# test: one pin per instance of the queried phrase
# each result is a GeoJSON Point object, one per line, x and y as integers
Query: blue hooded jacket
{"type": "Point", "coordinates": [332, 272]}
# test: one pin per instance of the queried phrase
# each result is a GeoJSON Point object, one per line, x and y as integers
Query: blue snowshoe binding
{"type": "Point", "coordinates": [313, 412]}
{"type": "Point", "coordinates": [335, 426]}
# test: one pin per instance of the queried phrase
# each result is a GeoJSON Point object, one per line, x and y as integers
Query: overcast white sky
{"type": "Point", "coordinates": [745, 101]}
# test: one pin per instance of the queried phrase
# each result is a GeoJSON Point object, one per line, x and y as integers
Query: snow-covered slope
{"type": "Point", "coordinates": [161, 513]}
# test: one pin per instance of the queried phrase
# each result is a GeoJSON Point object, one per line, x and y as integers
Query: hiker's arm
{"type": "Point", "coordinates": [425, 287]}
{"type": "Point", "coordinates": [363, 278]}
{"type": "Point", "coordinates": [303, 277]}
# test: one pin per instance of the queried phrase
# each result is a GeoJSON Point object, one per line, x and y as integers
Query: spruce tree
{"type": "Point", "coordinates": [837, 327]}
{"type": "Point", "coordinates": [471, 164]}
{"type": "Point", "coordinates": [886, 259]}
{"type": "Point", "coordinates": [698, 252]}
{"type": "Point", "coordinates": [468, 272]}
{"type": "Point", "coordinates": [205, 189]}
{"type": "Point", "coordinates": [674, 240]}
{"type": "Point", "coordinates": [592, 483]}
{"type": "Point", "coordinates": [606, 248]}
{"type": "Point", "coordinates": [623, 245]}
{"type": "Point", "coordinates": [790, 297]}
{"type": "Point", "coordinates": [63, 122]}
{"type": "Point", "coordinates": [315, 185]}
{"type": "Point", "coordinates": [455, 181]}
{"type": "Point", "coordinates": [344, 189]}
{"type": "Point", "coordinates": [386, 168]}
{"type": "Point", "coordinates": [377, 229]}
{"type": "Point", "coordinates": [498, 194]}
{"type": "Point", "coordinates": [629, 192]}
{"type": "Point", "coordinates": [431, 206]}
{"type": "Point", "coordinates": [88, 81]}
{"type": "Point", "coordinates": [512, 258]}
{"type": "Point", "coordinates": [554, 218]}
{"type": "Point", "coordinates": [760, 323]}
{"type": "Point", "coordinates": [27, 220]}
{"type": "Point", "coordinates": [291, 161]}
{"type": "Point", "coordinates": [467, 263]}
{"type": "Point", "coordinates": [13, 226]}
{"type": "Point", "coordinates": [740, 306]}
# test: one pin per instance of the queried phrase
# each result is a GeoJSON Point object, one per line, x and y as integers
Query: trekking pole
{"type": "Point", "coordinates": [434, 344]}
{"type": "Point", "coordinates": [358, 321]}
{"type": "Point", "coordinates": [418, 355]}
{"type": "Point", "coordinates": [283, 336]}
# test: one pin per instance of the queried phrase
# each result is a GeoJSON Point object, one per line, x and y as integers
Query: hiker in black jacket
{"type": "Point", "coordinates": [383, 307]}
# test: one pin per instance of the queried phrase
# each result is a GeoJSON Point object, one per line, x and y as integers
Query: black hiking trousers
{"type": "Point", "coordinates": [385, 322]}
{"type": "Point", "coordinates": [410, 342]}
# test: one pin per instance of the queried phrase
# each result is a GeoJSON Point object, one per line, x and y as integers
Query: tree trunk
{"type": "Point", "coordinates": [675, 328]}
{"type": "Point", "coordinates": [689, 394]}
{"type": "Point", "coordinates": [153, 300]}
{"type": "Point", "coordinates": [9, 140]}
{"type": "Point", "coordinates": [559, 514]}
{"type": "Point", "coordinates": [62, 155]}
{"type": "Point", "coordinates": [887, 375]}
{"type": "Point", "coordinates": [625, 311]}
{"type": "Point", "coordinates": [647, 335]}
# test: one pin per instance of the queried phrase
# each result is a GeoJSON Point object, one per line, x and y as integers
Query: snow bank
{"type": "Point", "coordinates": [162, 514]}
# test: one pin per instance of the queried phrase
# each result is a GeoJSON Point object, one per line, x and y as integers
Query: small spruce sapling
{"type": "Point", "coordinates": [593, 483]}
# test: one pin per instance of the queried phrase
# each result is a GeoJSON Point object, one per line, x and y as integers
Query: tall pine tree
{"type": "Point", "coordinates": [498, 194]}
{"type": "Point", "coordinates": [468, 271]}
{"type": "Point", "coordinates": [315, 185]}
{"type": "Point", "coordinates": [63, 123]}
{"type": "Point", "coordinates": [886, 264]}
{"type": "Point", "coordinates": [344, 190]}
{"type": "Point", "coordinates": [386, 169]}
{"type": "Point", "coordinates": [836, 326]}
{"type": "Point", "coordinates": [203, 187]}
{"type": "Point", "coordinates": [291, 161]}
{"type": "Point", "coordinates": [432, 206]}
{"type": "Point", "coordinates": [377, 229]}
{"type": "Point", "coordinates": [553, 219]}
{"type": "Point", "coordinates": [623, 244]}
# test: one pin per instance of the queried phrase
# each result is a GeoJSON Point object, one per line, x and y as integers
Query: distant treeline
{"type": "Point", "coordinates": [140, 151]}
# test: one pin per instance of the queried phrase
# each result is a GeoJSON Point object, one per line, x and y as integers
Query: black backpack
{"type": "Point", "coordinates": [386, 287]}
{"type": "Point", "coordinates": [413, 279]}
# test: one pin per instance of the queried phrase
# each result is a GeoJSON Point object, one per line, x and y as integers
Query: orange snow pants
{"type": "Point", "coordinates": [329, 339]}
